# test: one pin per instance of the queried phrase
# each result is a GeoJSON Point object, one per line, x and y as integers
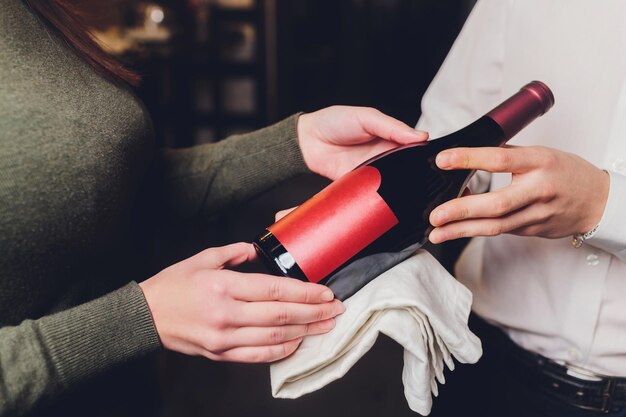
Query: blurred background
{"type": "Point", "coordinates": [212, 68]}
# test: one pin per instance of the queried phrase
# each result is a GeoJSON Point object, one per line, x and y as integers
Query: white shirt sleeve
{"type": "Point", "coordinates": [469, 82]}
{"type": "Point", "coordinates": [611, 234]}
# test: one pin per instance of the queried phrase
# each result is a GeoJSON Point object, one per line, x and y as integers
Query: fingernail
{"type": "Point", "coordinates": [437, 217]}
{"type": "Point", "coordinates": [417, 136]}
{"type": "Point", "coordinates": [435, 237]}
{"type": "Point", "coordinates": [443, 160]}
{"type": "Point", "coordinates": [327, 324]}
{"type": "Point", "coordinates": [341, 308]}
{"type": "Point", "coordinates": [327, 295]}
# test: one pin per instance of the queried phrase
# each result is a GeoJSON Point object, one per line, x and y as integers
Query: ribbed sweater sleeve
{"type": "Point", "coordinates": [41, 358]}
{"type": "Point", "coordinates": [205, 179]}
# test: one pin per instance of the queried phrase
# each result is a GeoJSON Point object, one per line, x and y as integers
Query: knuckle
{"type": "Point", "coordinates": [495, 230]}
{"type": "Point", "coordinates": [372, 111]}
{"type": "Point", "coordinates": [282, 317]}
{"type": "Point", "coordinates": [278, 335]}
{"type": "Point", "coordinates": [242, 246]}
{"type": "Point", "coordinates": [322, 313]}
{"type": "Point", "coordinates": [265, 354]}
{"type": "Point", "coordinates": [286, 350]}
{"type": "Point", "coordinates": [502, 206]}
{"type": "Point", "coordinates": [256, 357]}
{"type": "Point", "coordinates": [275, 290]}
{"type": "Point", "coordinates": [209, 254]}
{"type": "Point", "coordinates": [547, 216]}
{"type": "Point", "coordinates": [502, 159]}
{"type": "Point", "coordinates": [519, 231]}
{"type": "Point", "coordinates": [528, 231]}
{"type": "Point", "coordinates": [460, 234]}
{"type": "Point", "coordinates": [463, 213]}
{"type": "Point", "coordinates": [549, 159]}
{"type": "Point", "coordinates": [307, 294]}
{"type": "Point", "coordinates": [541, 214]}
{"type": "Point", "coordinates": [220, 320]}
{"type": "Point", "coordinates": [465, 160]}
{"type": "Point", "coordinates": [218, 288]}
{"type": "Point", "coordinates": [547, 192]}
{"type": "Point", "coordinates": [212, 356]}
{"type": "Point", "coordinates": [215, 343]}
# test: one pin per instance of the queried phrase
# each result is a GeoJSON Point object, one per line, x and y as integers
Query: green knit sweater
{"type": "Point", "coordinates": [76, 156]}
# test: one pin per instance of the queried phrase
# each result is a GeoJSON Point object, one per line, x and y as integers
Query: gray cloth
{"type": "Point", "coordinates": [346, 282]}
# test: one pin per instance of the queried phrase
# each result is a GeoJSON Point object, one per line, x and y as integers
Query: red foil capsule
{"type": "Point", "coordinates": [349, 214]}
{"type": "Point", "coordinates": [514, 114]}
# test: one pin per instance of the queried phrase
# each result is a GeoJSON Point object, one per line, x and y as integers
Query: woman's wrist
{"type": "Point", "coordinates": [306, 131]}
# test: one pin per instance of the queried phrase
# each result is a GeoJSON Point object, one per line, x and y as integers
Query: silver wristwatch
{"type": "Point", "coordinates": [579, 238]}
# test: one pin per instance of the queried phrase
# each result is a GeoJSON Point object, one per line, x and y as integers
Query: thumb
{"type": "Point", "coordinates": [279, 215]}
{"type": "Point", "coordinates": [386, 127]}
{"type": "Point", "coordinates": [229, 255]}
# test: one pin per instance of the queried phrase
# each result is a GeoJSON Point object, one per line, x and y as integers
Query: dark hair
{"type": "Point", "coordinates": [67, 22]}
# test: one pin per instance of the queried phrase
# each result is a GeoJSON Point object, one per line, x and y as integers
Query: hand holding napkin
{"type": "Point", "coordinates": [418, 304]}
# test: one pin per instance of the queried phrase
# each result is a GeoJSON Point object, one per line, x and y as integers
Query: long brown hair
{"type": "Point", "coordinates": [67, 22]}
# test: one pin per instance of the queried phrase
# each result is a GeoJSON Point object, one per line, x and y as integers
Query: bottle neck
{"type": "Point", "coordinates": [515, 113]}
{"type": "Point", "coordinates": [482, 132]}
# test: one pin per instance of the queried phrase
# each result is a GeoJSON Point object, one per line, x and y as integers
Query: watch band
{"type": "Point", "coordinates": [579, 238]}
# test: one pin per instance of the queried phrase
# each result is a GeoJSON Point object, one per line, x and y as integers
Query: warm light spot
{"type": "Point", "coordinates": [156, 14]}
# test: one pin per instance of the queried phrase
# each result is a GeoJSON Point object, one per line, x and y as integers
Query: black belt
{"type": "Point", "coordinates": [604, 394]}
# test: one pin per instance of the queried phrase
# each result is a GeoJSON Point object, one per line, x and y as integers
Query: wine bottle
{"type": "Point", "coordinates": [384, 204]}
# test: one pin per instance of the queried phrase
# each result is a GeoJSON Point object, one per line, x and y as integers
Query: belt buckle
{"type": "Point", "coordinates": [607, 391]}
{"type": "Point", "coordinates": [607, 397]}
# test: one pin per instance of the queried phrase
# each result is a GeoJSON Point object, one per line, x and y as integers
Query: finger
{"type": "Point", "coordinates": [266, 336]}
{"type": "Point", "coordinates": [259, 354]}
{"type": "Point", "coordinates": [509, 159]}
{"type": "Point", "coordinates": [534, 214]}
{"type": "Point", "coordinates": [492, 204]}
{"type": "Point", "coordinates": [271, 313]}
{"type": "Point", "coordinates": [229, 255]}
{"type": "Point", "coordinates": [283, 213]}
{"type": "Point", "coordinates": [467, 228]}
{"type": "Point", "coordinates": [260, 287]}
{"type": "Point", "coordinates": [385, 127]}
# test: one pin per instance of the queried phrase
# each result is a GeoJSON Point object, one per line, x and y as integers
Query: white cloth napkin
{"type": "Point", "coordinates": [418, 304]}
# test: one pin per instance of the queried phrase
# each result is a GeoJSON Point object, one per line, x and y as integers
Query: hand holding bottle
{"type": "Point", "coordinates": [553, 194]}
{"type": "Point", "coordinates": [200, 308]}
{"type": "Point", "coordinates": [336, 139]}
{"type": "Point", "coordinates": [384, 204]}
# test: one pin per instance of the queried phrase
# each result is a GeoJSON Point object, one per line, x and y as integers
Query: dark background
{"type": "Point", "coordinates": [233, 69]}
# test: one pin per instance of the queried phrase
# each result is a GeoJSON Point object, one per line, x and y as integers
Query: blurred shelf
{"type": "Point", "coordinates": [208, 67]}
{"type": "Point", "coordinates": [247, 15]}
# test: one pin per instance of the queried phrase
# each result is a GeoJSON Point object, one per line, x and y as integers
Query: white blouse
{"type": "Point", "coordinates": [567, 304]}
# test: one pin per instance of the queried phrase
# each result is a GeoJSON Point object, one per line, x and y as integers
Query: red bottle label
{"type": "Point", "coordinates": [336, 224]}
